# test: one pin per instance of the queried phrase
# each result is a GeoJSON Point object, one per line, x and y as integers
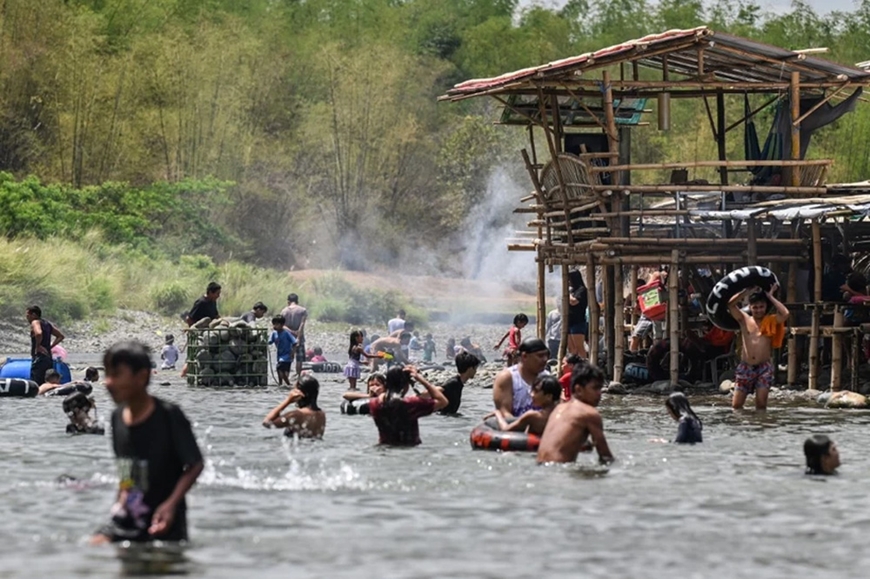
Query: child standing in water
{"type": "Point", "coordinates": [760, 333]}
{"type": "Point", "coordinates": [689, 429]}
{"type": "Point", "coordinates": [157, 456]}
{"type": "Point", "coordinates": [428, 349]}
{"type": "Point", "coordinates": [514, 337]}
{"type": "Point", "coordinates": [285, 342]}
{"type": "Point", "coordinates": [355, 353]}
{"type": "Point", "coordinates": [169, 354]}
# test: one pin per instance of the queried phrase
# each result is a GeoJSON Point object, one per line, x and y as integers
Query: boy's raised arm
{"type": "Point", "coordinates": [734, 305]}
{"type": "Point", "coordinates": [782, 312]}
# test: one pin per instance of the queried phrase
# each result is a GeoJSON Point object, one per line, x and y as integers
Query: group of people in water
{"type": "Point", "coordinates": [159, 460]}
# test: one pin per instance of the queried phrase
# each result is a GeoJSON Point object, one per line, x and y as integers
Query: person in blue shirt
{"type": "Point", "coordinates": [285, 343]}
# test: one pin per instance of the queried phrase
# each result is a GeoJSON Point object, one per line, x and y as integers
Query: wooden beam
{"type": "Point", "coordinates": [795, 98]}
{"type": "Point", "coordinates": [817, 296]}
{"type": "Point", "coordinates": [618, 323]}
{"type": "Point", "coordinates": [837, 351]}
{"type": "Point", "coordinates": [720, 135]}
{"type": "Point", "coordinates": [791, 297]}
{"type": "Point", "coordinates": [594, 310]}
{"type": "Point", "coordinates": [674, 317]}
{"type": "Point", "coordinates": [566, 313]}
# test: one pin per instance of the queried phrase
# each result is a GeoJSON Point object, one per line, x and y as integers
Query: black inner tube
{"type": "Point", "coordinates": [732, 284]}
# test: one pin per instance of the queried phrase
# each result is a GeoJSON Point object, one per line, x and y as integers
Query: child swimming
{"type": "Point", "coordinates": [689, 429]}
{"type": "Point", "coordinates": [822, 455]}
{"type": "Point", "coordinates": [77, 407]}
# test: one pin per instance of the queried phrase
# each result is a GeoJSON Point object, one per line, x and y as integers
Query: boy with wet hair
{"type": "Point", "coordinates": [157, 456]}
{"type": "Point", "coordinates": [285, 342]}
{"type": "Point", "coordinates": [52, 381]}
{"type": "Point", "coordinates": [761, 333]}
{"type": "Point", "coordinates": [466, 366]}
{"type": "Point", "coordinates": [572, 423]}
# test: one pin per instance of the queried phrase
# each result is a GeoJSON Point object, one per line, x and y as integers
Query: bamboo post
{"type": "Point", "coordinates": [857, 336]}
{"type": "Point", "coordinates": [594, 311]}
{"type": "Point", "coordinates": [634, 315]}
{"type": "Point", "coordinates": [674, 317]}
{"type": "Point", "coordinates": [795, 153]}
{"type": "Point", "coordinates": [720, 135]}
{"type": "Point", "coordinates": [610, 119]}
{"type": "Point", "coordinates": [618, 323]}
{"type": "Point", "coordinates": [542, 295]}
{"type": "Point", "coordinates": [791, 297]}
{"type": "Point", "coordinates": [817, 298]}
{"type": "Point", "coordinates": [837, 350]}
{"type": "Point", "coordinates": [566, 305]}
{"type": "Point", "coordinates": [752, 239]}
{"type": "Point", "coordinates": [607, 278]}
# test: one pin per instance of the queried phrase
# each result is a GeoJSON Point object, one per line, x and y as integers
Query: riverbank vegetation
{"type": "Point", "coordinates": [306, 133]}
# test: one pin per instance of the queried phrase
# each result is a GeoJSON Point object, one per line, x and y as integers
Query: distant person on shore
{"type": "Point", "coordinates": [514, 336]}
{"type": "Point", "coordinates": [51, 381]}
{"type": "Point", "coordinates": [429, 349]}
{"type": "Point", "coordinates": [466, 366]}
{"type": "Point", "coordinates": [396, 417]}
{"type": "Point", "coordinates": [466, 345]}
{"type": "Point", "coordinates": [545, 397]}
{"type": "Point", "coordinates": [760, 334]}
{"type": "Point", "coordinates": [397, 323]}
{"type": "Point", "coordinates": [41, 343]}
{"type": "Point", "coordinates": [553, 330]}
{"type": "Point", "coordinates": [578, 304]}
{"type": "Point", "coordinates": [169, 354]}
{"type": "Point", "coordinates": [257, 312]}
{"type": "Point", "coordinates": [450, 349]}
{"type": "Point", "coordinates": [512, 390]}
{"type": "Point", "coordinates": [573, 423]}
{"type": "Point", "coordinates": [355, 353]}
{"type": "Point", "coordinates": [157, 456]}
{"type": "Point", "coordinates": [308, 420]}
{"type": "Point", "coordinates": [821, 454]}
{"type": "Point", "coordinates": [317, 356]}
{"type": "Point", "coordinates": [285, 343]}
{"type": "Point", "coordinates": [295, 318]}
{"type": "Point", "coordinates": [205, 306]}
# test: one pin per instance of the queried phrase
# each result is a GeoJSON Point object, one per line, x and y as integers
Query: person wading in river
{"type": "Point", "coordinates": [760, 334]}
{"type": "Point", "coordinates": [295, 317]}
{"type": "Point", "coordinates": [512, 390]}
{"type": "Point", "coordinates": [572, 423]}
{"type": "Point", "coordinates": [41, 343]}
{"type": "Point", "coordinates": [396, 417]}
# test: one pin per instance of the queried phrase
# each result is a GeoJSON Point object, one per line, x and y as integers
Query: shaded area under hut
{"type": "Point", "coordinates": [592, 209]}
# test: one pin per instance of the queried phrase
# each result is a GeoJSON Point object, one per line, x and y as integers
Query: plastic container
{"type": "Point", "coordinates": [653, 301]}
{"type": "Point", "coordinates": [20, 368]}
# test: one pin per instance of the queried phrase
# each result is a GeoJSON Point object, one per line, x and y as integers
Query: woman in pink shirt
{"type": "Point", "coordinates": [396, 417]}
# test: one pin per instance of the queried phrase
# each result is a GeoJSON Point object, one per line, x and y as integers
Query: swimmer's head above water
{"type": "Point", "coordinates": [310, 388]}
{"type": "Point", "coordinates": [546, 391]}
{"type": "Point", "coordinates": [822, 455]}
{"type": "Point", "coordinates": [587, 380]}
{"type": "Point", "coordinates": [376, 384]}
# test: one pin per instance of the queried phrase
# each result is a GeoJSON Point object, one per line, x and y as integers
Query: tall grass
{"type": "Point", "coordinates": [74, 280]}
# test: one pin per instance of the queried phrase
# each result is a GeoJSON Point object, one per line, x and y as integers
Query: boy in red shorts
{"type": "Point", "coordinates": [761, 333]}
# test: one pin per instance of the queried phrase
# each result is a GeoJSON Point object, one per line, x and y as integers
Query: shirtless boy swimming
{"type": "Point", "coordinates": [575, 421]}
{"type": "Point", "coordinates": [761, 333]}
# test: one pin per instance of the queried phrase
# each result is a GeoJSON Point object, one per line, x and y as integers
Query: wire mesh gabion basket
{"type": "Point", "coordinates": [228, 356]}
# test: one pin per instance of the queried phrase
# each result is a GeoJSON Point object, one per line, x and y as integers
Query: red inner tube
{"type": "Point", "coordinates": [485, 437]}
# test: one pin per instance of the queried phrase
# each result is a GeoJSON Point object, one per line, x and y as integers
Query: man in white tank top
{"type": "Point", "coordinates": [511, 392]}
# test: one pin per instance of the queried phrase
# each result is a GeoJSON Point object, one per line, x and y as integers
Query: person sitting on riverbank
{"type": "Point", "coordinates": [512, 389]}
{"type": "Point", "coordinates": [761, 333]}
{"type": "Point", "coordinates": [545, 396]}
{"type": "Point", "coordinates": [514, 336]}
{"type": "Point", "coordinates": [821, 454]}
{"type": "Point", "coordinates": [397, 417]}
{"type": "Point", "coordinates": [285, 343]}
{"type": "Point", "coordinates": [308, 420]}
{"type": "Point", "coordinates": [466, 366]}
{"type": "Point", "coordinates": [572, 423]}
{"type": "Point", "coordinates": [52, 382]}
{"type": "Point", "coordinates": [317, 356]}
{"type": "Point", "coordinates": [169, 354]}
{"type": "Point", "coordinates": [690, 426]}
{"type": "Point", "coordinates": [257, 312]}
{"type": "Point", "coordinates": [78, 406]}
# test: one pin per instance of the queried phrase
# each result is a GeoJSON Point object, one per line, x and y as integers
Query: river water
{"type": "Point", "coordinates": [736, 506]}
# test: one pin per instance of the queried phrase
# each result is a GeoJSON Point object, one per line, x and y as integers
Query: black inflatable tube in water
{"type": "Point", "coordinates": [354, 407]}
{"type": "Point", "coordinates": [68, 389]}
{"type": "Point", "coordinates": [731, 285]}
{"type": "Point", "coordinates": [16, 387]}
{"type": "Point", "coordinates": [487, 436]}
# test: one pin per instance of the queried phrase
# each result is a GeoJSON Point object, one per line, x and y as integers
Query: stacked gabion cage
{"type": "Point", "coordinates": [228, 356]}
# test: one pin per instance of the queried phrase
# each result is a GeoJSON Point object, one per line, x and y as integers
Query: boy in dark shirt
{"type": "Point", "coordinates": [157, 456]}
{"type": "Point", "coordinates": [466, 365]}
{"type": "Point", "coordinates": [206, 306]}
